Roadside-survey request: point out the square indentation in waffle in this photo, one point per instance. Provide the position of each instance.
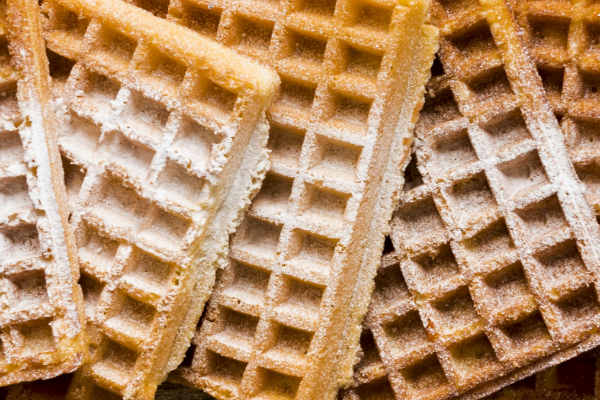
(130, 315)
(296, 93)
(120, 206)
(74, 176)
(406, 335)
(549, 31)
(390, 288)
(112, 47)
(419, 220)
(589, 174)
(505, 131)
(8, 100)
(33, 338)
(379, 389)
(365, 64)
(198, 17)
(60, 70)
(473, 357)
(453, 151)
(587, 134)
(542, 218)
(523, 174)
(285, 144)
(92, 290)
(14, 196)
(274, 196)
(161, 71)
(434, 267)
(97, 251)
(490, 85)
(195, 142)
(150, 273)
(472, 196)
(165, 229)
(370, 354)
(117, 362)
(277, 385)
(252, 33)
(578, 308)
(145, 117)
(473, 41)
(299, 299)
(562, 268)
(527, 335)
(178, 185)
(289, 344)
(321, 7)
(128, 158)
(304, 47)
(371, 15)
(206, 93)
(80, 136)
(258, 237)
(100, 91)
(351, 110)
(424, 376)
(224, 370)
(19, 243)
(438, 109)
(493, 242)
(591, 85)
(335, 159)
(453, 313)
(326, 206)
(412, 176)
(67, 26)
(504, 295)
(11, 147)
(27, 289)
(553, 80)
(248, 283)
(311, 253)
(156, 7)
(5, 56)
(235, 329)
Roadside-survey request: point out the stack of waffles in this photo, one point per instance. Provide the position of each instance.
(41, 308)
(283, 321)
(490, 273)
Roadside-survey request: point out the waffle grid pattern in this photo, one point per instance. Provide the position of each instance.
(276, 317)
(151, 140)
(40, 330)
(494, 265)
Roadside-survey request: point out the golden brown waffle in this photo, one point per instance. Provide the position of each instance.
(493, 276)
(281, 323)
(41, 317)
(163, 139)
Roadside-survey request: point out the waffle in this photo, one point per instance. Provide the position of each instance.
(281, 323)
(163, 138)
(492, 272)
(41, 315)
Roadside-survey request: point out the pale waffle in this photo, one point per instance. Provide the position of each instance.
(493, 276)
(280, 323)
(163, 138)
(41, 317)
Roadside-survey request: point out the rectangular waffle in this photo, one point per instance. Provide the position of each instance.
(494, 272)
(41, 317)
(163, 138)
(280, 323)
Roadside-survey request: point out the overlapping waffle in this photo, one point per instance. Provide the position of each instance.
(163, 138)
(41, 308)
(280, 323)
(494, 272)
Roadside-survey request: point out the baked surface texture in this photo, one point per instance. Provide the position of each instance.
(163, 136)
(492, 270)
(41, 308)
(284, 320)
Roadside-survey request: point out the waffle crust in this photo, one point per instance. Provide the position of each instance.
(163, 138)
(41, 317)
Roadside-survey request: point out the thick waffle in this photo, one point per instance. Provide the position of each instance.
(41, 317)
(281, 323)
(493, 276)
(164, 139)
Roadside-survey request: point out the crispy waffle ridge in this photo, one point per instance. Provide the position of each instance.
(41, 317)
(163, 138)
(281, 323)
(493, 275)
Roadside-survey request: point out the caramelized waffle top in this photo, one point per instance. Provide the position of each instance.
(41, 315)
(281, 323)
(494, 272)
(157, 126)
